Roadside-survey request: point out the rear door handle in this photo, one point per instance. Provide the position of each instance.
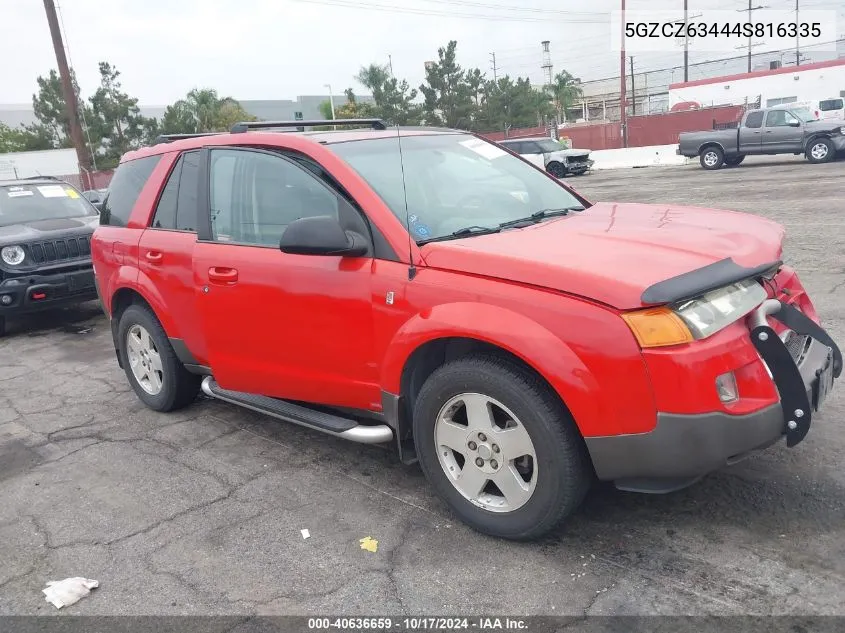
(223, 275)
(154, 257)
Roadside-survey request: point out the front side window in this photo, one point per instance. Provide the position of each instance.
(452, 181)
(43, 201)
(177, 205)
(255, 195)
(780, 118)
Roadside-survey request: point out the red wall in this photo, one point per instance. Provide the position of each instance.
(653, 129)
(516, 133)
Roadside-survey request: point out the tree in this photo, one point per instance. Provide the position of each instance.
(202, 110)
(352, 109)
(24, 139)
(115, 122)
(508, 103)
(50, 109)
(565, 91)
(448, 95)
(394, 99)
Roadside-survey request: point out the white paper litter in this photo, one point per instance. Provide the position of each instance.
(305, 533)
(63, 593)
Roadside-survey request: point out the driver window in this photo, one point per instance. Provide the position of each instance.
(255, 195)
(779, 118)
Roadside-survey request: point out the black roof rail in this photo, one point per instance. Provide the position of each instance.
(245, 126)
(41, 178)
(169, 138)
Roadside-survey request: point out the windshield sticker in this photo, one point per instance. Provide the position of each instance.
(422, 230)
(71, 193)
(20, 193)
(485, 149)
(52, 191)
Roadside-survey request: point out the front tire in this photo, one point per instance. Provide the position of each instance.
(712, 158)
(556, 169)
(820, 150)
(499, 447)
(158, 377)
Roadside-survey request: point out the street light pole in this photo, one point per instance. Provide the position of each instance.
(331, 102)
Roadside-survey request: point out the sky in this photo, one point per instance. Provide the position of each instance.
(278, 49)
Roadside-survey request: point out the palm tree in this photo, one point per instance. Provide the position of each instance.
(565, 91)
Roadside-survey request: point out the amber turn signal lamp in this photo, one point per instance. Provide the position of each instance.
(658, 327)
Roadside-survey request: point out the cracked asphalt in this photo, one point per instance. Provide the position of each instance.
(200, 511)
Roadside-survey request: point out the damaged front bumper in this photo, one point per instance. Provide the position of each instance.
(803, 363)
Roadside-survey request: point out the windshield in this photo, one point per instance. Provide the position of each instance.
(803, 114)
(452, 181)
(549, 145)
(29, 203)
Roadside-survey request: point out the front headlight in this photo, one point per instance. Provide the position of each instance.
(715, 310)
(12, 255)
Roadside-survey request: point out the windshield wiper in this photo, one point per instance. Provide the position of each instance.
(463, 232)
(542, 214)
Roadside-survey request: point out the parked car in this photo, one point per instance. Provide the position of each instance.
(96, 197)
(547, 153)
(518, 340)
(45, 246)
(777, 130)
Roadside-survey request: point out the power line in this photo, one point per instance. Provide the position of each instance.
(349, 4)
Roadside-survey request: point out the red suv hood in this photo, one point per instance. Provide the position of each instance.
(612, 252)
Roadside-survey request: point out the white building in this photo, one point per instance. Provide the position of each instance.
(821, 80)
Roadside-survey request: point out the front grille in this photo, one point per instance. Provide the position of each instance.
(796, 344)
(60, 250)
(577, 159)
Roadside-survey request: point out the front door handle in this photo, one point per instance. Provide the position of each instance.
(154, 257)
(223, 275)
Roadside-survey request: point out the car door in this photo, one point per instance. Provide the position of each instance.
(783, 132)
(165, 257)
(751, 133)
(532, 152)
(297, 327)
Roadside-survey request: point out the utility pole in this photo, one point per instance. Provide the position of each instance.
(390, 62)
(69, 93)
(686, 41)
(750, 45)
(797, 50)
(633, 87)
(495, 76)
(623, 115)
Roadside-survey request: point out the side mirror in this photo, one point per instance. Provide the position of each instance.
(321, 235)
(793, 123)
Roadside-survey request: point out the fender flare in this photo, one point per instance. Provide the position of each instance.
(145, 287)
(707, 144)
(513, 332)
(814, 137)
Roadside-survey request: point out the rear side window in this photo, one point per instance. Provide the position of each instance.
(177, 205)
(830, 104)
(755, 119)
(124, 189)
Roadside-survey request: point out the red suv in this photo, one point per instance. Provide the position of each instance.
(428, 288)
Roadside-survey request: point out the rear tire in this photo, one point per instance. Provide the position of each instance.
(483, 420)
(712, 158)
(158, 377)
(2, 326)
(733, 161)
(820, 150)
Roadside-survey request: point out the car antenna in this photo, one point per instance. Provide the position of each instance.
(412, 270)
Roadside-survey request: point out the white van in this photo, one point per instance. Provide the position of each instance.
(831, 108)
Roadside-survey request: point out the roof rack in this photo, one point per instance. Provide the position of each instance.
(169, 138)
(41, 178)
(244, 126)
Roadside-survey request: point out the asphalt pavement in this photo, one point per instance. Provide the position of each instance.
(200, 511)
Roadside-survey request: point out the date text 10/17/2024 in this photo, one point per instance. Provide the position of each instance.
(481, 624)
